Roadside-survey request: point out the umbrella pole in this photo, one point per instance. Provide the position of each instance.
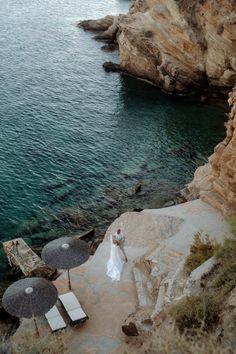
(36, 327)
(69, 282)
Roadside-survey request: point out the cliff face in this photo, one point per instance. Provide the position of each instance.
(215, 182)
(180, 45)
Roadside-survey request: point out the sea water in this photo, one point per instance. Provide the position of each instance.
(75, 140)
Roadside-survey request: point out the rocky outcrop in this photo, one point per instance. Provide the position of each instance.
(106, 27)
(99, 25)
(215, 182)
(182, 46)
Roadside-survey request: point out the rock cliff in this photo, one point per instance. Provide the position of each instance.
(182, 46)
(215, 182)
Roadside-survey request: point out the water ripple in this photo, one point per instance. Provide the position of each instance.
(65, 122)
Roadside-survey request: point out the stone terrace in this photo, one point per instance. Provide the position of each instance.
(109, 303)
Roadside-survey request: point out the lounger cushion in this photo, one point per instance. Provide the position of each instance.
(55, 319)
(70, 301)
(53, 312)
(77, 314)
(56, 323)
(72, 307)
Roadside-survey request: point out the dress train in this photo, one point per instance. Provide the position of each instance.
(115, 262)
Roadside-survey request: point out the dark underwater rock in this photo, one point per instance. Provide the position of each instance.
(109, 47)
(87, 235)
(109, 66)
(137, 188)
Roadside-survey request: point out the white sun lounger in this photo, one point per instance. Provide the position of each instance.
(55, 319)
(73, 308)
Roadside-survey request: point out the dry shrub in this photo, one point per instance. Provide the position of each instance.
(170, 341)
(203, 310)
(232, 222)
(202, 249)
(5, 347)
(229, 327)
(53, 343)
(196, 311)
(224, 278)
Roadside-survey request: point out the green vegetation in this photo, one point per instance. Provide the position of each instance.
(203, 310)
(202, 249)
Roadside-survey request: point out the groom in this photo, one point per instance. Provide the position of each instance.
(119, 240)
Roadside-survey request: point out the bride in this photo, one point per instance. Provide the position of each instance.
(115, 262)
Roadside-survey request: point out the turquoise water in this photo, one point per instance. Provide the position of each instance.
(73, 136)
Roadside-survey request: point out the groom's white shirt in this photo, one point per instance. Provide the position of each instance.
(119, 237)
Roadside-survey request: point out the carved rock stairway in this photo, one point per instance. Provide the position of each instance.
(159, 279)
(162, 269)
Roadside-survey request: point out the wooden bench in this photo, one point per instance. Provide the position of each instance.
(73, 308)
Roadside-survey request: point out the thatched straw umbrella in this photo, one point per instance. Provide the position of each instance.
(30, 298)
(66, 253)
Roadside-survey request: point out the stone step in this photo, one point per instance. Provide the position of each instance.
(141, 283)
(171, 287)
(177, 283)
(160, 301)
(140, 278)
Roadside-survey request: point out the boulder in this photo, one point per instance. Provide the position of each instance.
(137, 188)
(169, 204)
(110, 47)
(109, 66)
(138, 210)
(99, 25)
(130, 329)
(87, 235)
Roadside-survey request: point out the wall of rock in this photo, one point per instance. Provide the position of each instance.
(182, 46)
(215, 182)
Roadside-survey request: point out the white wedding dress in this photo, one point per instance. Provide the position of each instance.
(115, 262)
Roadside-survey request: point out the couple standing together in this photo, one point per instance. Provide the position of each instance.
(115, 262)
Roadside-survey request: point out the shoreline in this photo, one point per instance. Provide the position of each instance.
(118, 202)
(190, 65)
(11, 324)
(172, 227)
